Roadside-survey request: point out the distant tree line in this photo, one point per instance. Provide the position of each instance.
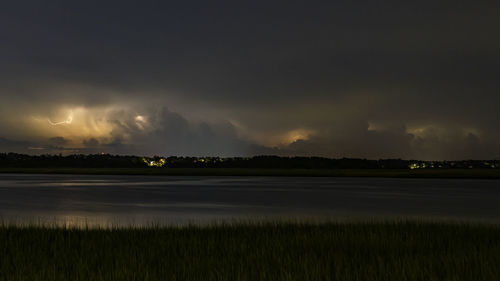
(15, 160)
(71, 161)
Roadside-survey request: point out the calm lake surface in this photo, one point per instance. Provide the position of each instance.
(142, 200)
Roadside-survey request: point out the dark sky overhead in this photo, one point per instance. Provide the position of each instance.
(371, 79)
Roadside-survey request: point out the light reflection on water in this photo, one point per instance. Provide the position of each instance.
(85, 200)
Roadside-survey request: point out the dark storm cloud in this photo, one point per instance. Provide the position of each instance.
(58, 141)
(7, 145)
(50, 146)
(91, 143)
(395, 144)
(425, 72)
(172, 134)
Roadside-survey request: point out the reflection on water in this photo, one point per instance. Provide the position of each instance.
(81, 200)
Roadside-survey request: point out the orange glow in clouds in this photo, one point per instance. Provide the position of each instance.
(67, 121)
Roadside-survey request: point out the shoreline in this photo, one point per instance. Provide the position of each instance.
(379, 173)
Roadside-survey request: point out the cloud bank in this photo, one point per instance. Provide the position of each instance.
(341, 79)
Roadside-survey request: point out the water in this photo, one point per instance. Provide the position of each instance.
(142, 200)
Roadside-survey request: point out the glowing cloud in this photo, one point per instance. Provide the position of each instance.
(140, 118)
(295, 135)
(67, 121)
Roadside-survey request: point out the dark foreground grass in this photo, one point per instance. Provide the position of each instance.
(389, 173)
(269, 251)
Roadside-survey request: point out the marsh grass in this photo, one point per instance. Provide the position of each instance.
(398, 250)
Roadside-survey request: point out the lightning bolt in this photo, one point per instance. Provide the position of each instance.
(67, 121)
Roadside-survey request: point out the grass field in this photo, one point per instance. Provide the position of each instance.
(405, 250)
(402, 173)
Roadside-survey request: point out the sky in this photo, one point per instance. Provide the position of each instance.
(364, 79)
